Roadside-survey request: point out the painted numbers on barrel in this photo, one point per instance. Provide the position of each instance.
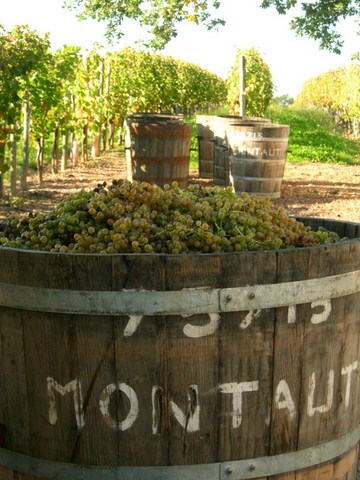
(189, 414)
(321, 313)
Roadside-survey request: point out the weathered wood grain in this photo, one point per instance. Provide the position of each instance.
(206, 144)
(6, 473)
(15, 430)
(163, 390)
(246, 358)
(257, 155)
(192, 352)
(160, 152)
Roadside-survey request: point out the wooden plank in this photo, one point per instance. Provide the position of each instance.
(95, 356)
(343, 347)
(192, 363)
(245, 364)
(6, 473)
(96, 360)
(141, 370)
(192, 366)
(347, 413)
(320, 373)
(284, 476)
(322, 366)
(129, 272)
(322, 472)
(346, 466)
(22, 476)
(193, 344)
(206, 145)
(288, 359)
(220, 166)
(141, 367)
(51, 365)
(245, 373)
(14, 395)
(53, 384)
(192, 399)
(8, 273)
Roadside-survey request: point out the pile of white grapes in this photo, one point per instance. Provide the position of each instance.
(132, 217)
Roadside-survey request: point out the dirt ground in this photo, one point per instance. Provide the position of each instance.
(309, 189)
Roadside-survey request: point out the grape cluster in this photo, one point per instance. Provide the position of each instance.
(133, 217)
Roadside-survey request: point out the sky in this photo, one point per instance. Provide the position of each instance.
(292, 60)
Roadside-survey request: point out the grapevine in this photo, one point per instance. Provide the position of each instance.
(134, 217)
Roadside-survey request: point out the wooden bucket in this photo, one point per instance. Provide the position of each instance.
(207, 367)
(206, 144)
(144, 118)
(159, 153)
(256, 158)
(221, 158)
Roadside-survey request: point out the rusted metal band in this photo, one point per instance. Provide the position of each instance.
(189, 301)
(235, 470)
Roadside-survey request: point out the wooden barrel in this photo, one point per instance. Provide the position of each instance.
(159, 153)
(221, 157)
(256, 157)
(204, 366)
(206, 144)
(144, 118)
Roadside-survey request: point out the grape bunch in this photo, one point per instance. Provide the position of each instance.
(134, 217)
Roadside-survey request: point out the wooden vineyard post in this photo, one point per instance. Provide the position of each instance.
(75, 153)
(26, 133)
(13, 156)
(242, 84)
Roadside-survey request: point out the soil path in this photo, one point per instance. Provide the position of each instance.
(309, 189)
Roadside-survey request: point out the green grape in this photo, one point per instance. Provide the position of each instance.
(143, 218)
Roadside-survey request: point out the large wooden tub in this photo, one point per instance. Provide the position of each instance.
(206, 367)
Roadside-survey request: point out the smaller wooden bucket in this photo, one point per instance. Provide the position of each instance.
(159, 153)
(144, 118)
(221, 158)
(256, 157)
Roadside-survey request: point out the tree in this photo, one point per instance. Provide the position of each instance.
(284, 100)
(49, 90)
(319, 19)
(22, 53)
(160, 17)
(259, 85)
(338, 93)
